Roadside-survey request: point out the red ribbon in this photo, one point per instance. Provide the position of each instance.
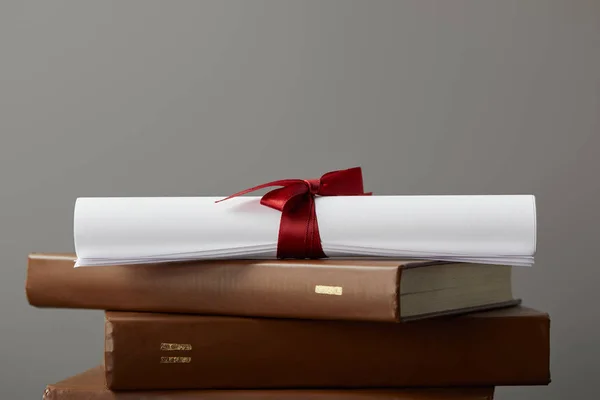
(298, 228)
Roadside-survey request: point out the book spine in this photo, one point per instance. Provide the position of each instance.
(261, 289)
(194, 352)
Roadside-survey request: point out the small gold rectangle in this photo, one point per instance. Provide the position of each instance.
(175, 360)
(331, 290)
(175, 346)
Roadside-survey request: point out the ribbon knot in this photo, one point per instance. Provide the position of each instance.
(298, 228)
(313, 185)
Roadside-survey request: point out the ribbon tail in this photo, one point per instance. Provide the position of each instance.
(282, 182)
(298, 230)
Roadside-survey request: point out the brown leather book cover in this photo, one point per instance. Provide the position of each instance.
(303, 289)
(168, 351)
(90, 385)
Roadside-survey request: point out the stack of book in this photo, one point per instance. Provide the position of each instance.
(200, 304)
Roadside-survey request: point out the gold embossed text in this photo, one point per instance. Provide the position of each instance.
(175, 360)
(175, 346)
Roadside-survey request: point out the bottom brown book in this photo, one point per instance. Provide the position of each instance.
(90, 385)
(150, 351)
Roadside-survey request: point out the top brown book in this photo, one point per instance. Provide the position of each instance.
(360, 290)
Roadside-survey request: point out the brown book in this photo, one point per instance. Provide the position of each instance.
(90, 385)
(360, 290)
(174, 351)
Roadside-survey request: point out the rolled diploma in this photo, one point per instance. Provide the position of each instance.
(486, 228)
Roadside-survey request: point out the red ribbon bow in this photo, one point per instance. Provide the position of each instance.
(298, 228)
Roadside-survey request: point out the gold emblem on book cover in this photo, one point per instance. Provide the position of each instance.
(331, 290)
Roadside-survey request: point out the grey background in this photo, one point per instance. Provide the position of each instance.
(149, 98)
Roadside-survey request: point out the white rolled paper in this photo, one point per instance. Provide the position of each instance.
(492, 229)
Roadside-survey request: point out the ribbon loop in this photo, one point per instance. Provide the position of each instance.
(298, 228)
